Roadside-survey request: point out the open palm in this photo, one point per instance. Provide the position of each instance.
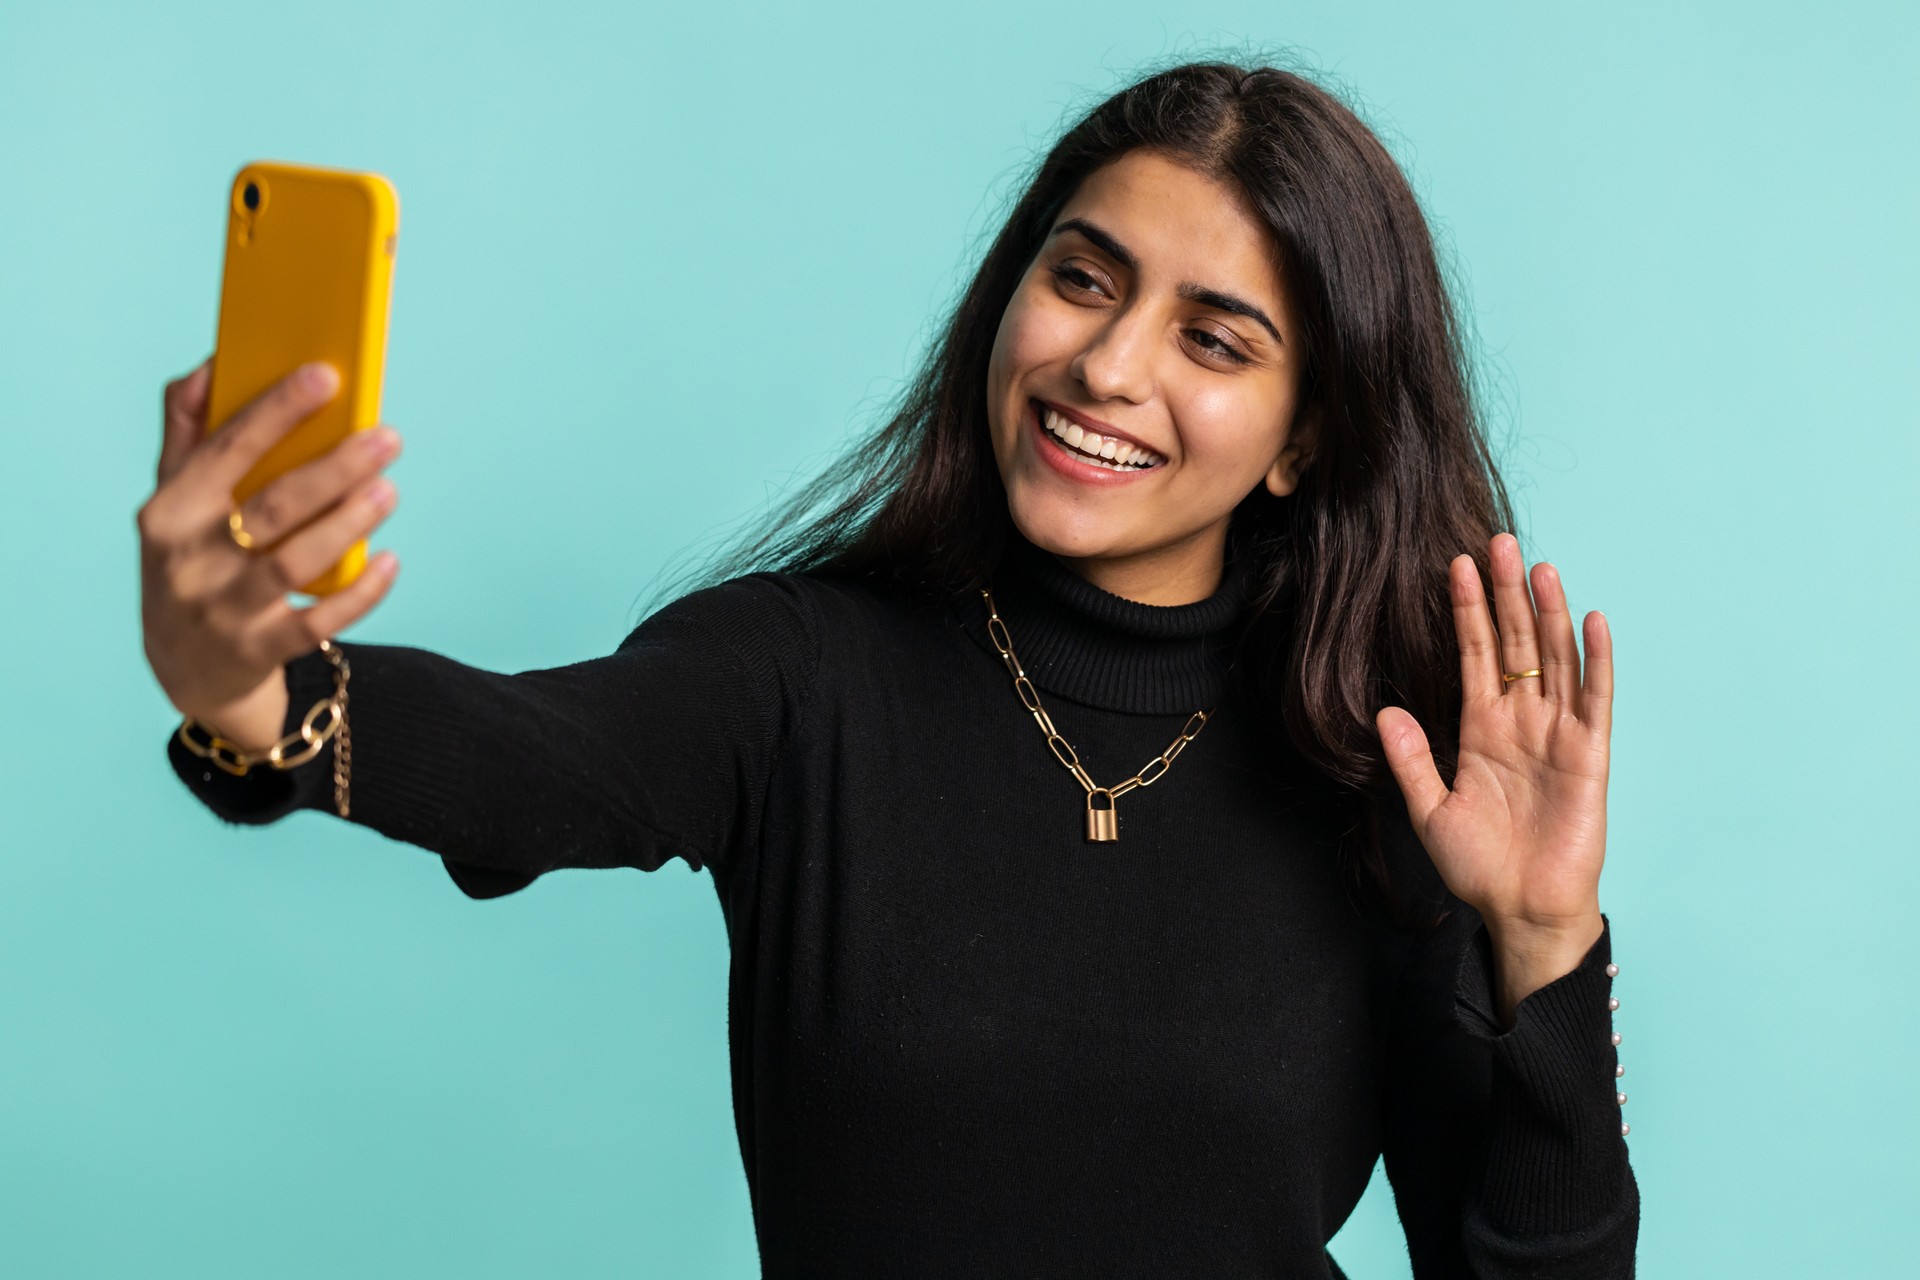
(1521, 834)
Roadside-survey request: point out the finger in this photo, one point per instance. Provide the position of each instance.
(311, 550)
(1410, 757)
(222, 459)
(183, 417)
(1519, 642)
(1597, 694)
(1559, 655)
(1473, 628)
(285, 632)
(290, 501)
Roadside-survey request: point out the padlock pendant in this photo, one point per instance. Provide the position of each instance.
(1102, 824)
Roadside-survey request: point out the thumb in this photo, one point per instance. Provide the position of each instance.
(1410, 757)
(184, 414)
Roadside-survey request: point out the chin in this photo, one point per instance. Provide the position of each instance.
(1076, 535)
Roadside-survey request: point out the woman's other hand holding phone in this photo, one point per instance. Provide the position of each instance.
(217, 625)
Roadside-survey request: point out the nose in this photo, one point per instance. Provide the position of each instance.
(1118, 361)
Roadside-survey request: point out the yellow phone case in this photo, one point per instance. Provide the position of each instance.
(308, 276)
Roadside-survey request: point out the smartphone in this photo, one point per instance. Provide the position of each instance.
(308, 276)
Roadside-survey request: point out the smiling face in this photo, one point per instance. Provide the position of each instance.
(1144, 378)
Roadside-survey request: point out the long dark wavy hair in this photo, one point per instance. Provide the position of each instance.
(1352, 610)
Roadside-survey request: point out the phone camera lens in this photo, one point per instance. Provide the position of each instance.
(250, 196)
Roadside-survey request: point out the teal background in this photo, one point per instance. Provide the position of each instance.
(657, 262)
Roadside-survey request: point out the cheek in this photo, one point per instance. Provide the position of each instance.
(1035, 332)
(1233, 431)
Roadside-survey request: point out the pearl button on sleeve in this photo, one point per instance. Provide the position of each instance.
(1620, 1068)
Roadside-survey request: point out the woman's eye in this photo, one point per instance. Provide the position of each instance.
(1219, 347)
(1073, 276)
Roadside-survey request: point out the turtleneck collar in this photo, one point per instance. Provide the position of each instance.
(1085, 643)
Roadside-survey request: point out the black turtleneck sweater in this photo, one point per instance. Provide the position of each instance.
(965, 1041)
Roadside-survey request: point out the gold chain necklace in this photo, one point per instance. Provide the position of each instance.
(1102, 824)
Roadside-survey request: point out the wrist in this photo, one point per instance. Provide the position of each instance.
(1526, 935)
(1529, 955)
(255, 721)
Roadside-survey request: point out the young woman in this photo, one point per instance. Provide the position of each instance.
(1129, 819)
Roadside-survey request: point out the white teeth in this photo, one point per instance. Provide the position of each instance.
(1098, 450)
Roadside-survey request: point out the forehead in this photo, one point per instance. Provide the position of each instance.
(1181, 225)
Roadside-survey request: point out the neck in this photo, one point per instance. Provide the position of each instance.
(1178, 573)
(1106, 650)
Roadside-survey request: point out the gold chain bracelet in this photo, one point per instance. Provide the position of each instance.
(238, 761)
(1102, 824)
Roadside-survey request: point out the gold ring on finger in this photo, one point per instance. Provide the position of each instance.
(1511, 676)
(240, 536)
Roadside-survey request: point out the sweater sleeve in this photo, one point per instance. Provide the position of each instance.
(660, 749)
(1504, 1148)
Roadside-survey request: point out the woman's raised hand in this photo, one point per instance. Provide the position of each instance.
(216, 622)
(1522, 832)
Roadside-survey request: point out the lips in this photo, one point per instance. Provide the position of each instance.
(1099, 447)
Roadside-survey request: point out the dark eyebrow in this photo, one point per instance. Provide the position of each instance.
(1187, 289)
